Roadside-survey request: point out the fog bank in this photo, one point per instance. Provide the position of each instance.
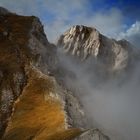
(111, 104)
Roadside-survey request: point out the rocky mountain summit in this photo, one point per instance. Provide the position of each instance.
(35, 104)
(87, 42)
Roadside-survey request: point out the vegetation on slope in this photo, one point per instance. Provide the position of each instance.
(37, 118)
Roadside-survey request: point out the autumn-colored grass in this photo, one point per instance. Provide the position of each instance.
(34, 117)
(37, 119)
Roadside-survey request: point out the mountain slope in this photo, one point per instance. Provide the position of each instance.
(39, 113)
(32, 104)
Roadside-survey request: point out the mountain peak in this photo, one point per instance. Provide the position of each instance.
(86, 42)
(81, 41)
(80, 29)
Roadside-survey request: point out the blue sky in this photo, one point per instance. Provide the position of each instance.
(114, 18)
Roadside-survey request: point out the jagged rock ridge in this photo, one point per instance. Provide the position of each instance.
(86, 42)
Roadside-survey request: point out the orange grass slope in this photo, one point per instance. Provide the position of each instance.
(34, 117)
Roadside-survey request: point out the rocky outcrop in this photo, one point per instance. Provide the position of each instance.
(86, 42)
(93, 134)
(80, 41)
(22, 42)
(76, 116)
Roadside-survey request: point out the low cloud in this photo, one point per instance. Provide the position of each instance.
(132, 34)
(111, 105)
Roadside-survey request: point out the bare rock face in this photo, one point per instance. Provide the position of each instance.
(80, 41)
(76, 116)
(93, 134)
(86, 42)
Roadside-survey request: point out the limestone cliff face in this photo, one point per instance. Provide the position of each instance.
(86, 42)
(81, 41)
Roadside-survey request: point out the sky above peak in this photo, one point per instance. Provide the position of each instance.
(114, 18)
